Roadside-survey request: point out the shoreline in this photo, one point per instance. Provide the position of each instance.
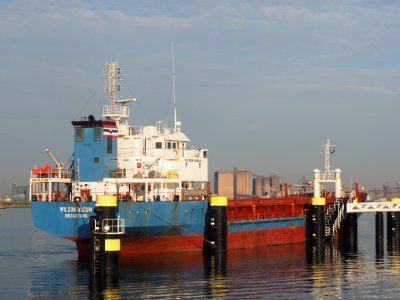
(14, 204)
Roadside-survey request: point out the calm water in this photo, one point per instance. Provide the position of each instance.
(37, 266)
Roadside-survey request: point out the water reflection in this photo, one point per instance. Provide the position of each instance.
(283, 271)
(215, 274)
(288, 272)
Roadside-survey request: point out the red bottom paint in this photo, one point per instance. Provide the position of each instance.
(131, 246)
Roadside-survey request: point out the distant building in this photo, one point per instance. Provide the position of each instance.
(243, 184)
(223, 182)
(258, 187)
(275, 185)
(19, 192)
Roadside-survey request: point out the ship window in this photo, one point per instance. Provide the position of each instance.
(158, 145)
(79, 134)
(109, 145)
(169, 145)
(97, 133)
(173, 145)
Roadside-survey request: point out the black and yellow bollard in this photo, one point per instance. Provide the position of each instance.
(216, 225)
(379, 233)
(318, 220)
(393, 227)
(215, 245)
(105, 245)
(309, 235)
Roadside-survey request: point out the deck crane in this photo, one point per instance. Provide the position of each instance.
(59, 165)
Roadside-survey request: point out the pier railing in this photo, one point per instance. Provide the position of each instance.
(341, 216)
(373, 207)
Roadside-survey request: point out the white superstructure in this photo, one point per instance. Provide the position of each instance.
(154, 162)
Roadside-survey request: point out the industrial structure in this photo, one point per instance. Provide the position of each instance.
(238, 184)
(19, 192)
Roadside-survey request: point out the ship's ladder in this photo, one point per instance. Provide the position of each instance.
(335, 214)
(330, 218)
(97, 256)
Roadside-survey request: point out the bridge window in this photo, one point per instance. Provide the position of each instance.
(97, 133)
(158, 145)
(79, 134)
(109, 145)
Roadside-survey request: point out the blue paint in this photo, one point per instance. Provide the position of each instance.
(95, 155)
(71, 219)
(240, 226)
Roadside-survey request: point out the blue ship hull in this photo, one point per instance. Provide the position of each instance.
(163, 226)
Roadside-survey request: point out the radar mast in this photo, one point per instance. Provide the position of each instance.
(117, 110)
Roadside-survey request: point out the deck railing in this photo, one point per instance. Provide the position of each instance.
(116, 110)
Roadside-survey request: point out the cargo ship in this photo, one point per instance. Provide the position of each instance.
(161, 184)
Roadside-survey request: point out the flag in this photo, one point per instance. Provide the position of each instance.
(110, 131)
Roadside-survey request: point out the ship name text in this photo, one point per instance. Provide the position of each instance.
(75, 212)
(195, 160)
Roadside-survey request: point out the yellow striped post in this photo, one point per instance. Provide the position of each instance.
(106, 201)
(218, 201)
(105, 241)
(216, 225)
(112, 245)
(317, 201)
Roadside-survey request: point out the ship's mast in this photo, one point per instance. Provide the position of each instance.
(113, 87)
(118, 110)
(173, 85)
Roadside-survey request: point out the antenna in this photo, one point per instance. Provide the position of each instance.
(328, 149)
(117, 110)
(173, 84)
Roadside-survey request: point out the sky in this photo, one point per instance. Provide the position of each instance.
(261, 84)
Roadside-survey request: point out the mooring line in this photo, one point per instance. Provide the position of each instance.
(173, 223)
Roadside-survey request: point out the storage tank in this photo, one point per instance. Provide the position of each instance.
(243, 184)
(224, 184)
(258, 186)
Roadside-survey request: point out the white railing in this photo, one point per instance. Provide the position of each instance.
(341, 216)
(60, 174)
(373, 207)
(342, 211)
(116, 110)
(193, 153)
(113, 226)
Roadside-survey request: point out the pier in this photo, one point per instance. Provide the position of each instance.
(340, 223)
(392, 209)
(327, 223)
